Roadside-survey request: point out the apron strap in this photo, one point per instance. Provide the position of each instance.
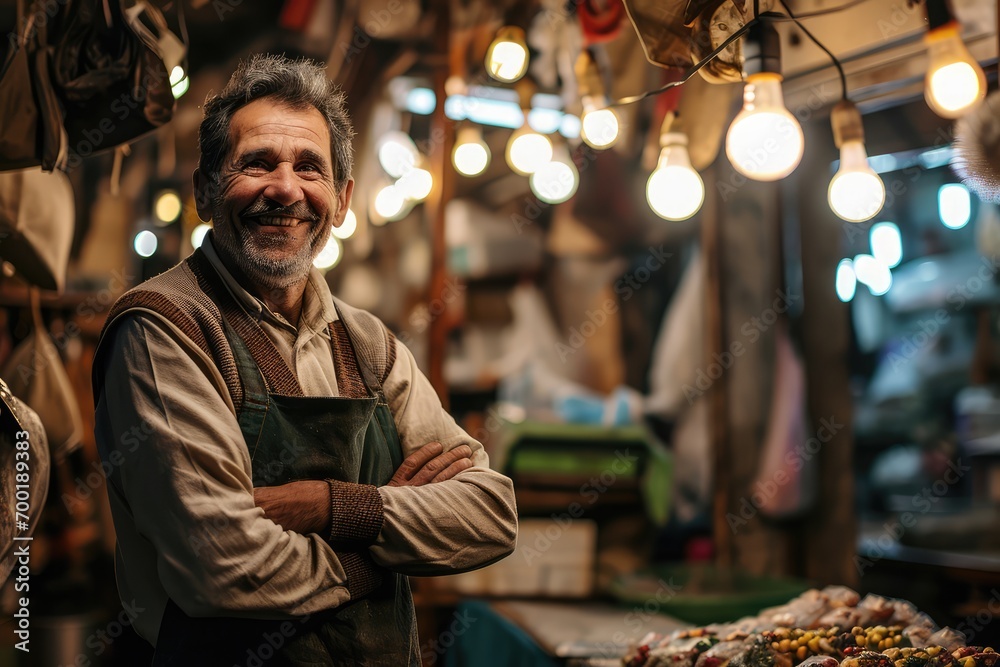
(280, 378)
(368, 376)
(255, 399)
(350, 382)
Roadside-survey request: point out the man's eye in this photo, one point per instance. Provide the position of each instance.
(255, 164)
(308, 167)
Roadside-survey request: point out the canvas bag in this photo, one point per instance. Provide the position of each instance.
(35, 372)
(16, 419)
(37, 214)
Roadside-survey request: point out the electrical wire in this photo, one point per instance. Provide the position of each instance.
(836, 61)
(826, 12)
(632, 99)
(742, 31)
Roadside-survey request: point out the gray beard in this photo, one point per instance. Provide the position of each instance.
(244, 250)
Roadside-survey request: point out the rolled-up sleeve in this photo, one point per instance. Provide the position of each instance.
(180, 469)
(466, 522)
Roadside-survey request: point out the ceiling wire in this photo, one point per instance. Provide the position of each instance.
(825, 12)
(631, 99)
(836, 61)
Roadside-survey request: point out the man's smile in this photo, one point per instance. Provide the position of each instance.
(278, 221)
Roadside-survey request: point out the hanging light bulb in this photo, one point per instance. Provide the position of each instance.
(330, 255)
(856, 192)
(145, 243)
(873, 273)
(886, 243)
(390, 203)
(674, 190)
(179, 82)
(955, 82)
(528, 150)
(416, 184)
(507, 58)
(764, 142)
(167, 207)
(471, 155)
(397, 153)
(347, 227)
(198, 235)
(599, 126)
(846, 280)
(556, 181)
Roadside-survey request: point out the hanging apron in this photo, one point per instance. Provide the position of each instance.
(294, 438)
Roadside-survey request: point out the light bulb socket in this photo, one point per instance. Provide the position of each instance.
(667, 123)
(846, 122)
(468, 134)
(588, 76)
(763, 46)
(510, 33)
(455, 85)
(939, 14)
(526, 90)
(592, 103)
(673, 139)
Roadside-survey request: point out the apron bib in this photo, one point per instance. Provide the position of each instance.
(292, 438)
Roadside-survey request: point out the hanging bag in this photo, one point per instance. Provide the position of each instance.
(31, 133)
(111, 68)
(36, 374)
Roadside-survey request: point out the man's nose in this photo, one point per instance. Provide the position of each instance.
(283, 185)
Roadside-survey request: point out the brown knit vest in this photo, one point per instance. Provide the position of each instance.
(193, 298)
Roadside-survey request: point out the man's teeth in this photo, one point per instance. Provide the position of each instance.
(277, 221)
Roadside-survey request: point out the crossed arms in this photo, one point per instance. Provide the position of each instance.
(222, 548)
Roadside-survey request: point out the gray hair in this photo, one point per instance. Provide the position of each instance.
(299, 84)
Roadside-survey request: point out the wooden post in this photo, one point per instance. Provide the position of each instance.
(829, 535)
(742, 241)
(714, 326)
(442, 142)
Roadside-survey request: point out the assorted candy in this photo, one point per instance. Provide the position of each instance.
(832, 627)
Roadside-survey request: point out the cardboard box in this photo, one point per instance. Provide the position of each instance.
(552, 559)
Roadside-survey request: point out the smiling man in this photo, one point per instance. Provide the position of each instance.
(297, 464)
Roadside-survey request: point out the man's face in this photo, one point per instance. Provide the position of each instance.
(277, 200)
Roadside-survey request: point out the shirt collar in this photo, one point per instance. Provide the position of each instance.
(317, 302)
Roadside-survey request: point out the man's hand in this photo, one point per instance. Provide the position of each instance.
(302, 507)
(428, 465)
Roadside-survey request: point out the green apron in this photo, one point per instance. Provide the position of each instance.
(294, 438)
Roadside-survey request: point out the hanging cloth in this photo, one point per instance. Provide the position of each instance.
(787, 476)
(600, 20)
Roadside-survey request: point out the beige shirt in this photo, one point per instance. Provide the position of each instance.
(180, 479)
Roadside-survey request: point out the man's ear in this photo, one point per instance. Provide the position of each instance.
(344, 202)
(203, 195)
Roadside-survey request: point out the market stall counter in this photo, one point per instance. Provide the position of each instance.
(832, 627)
(549, 634)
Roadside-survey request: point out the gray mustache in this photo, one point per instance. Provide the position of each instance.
(266, 207)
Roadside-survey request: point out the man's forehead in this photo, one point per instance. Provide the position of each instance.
(264, 123)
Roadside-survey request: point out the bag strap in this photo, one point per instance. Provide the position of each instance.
(169, 48)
